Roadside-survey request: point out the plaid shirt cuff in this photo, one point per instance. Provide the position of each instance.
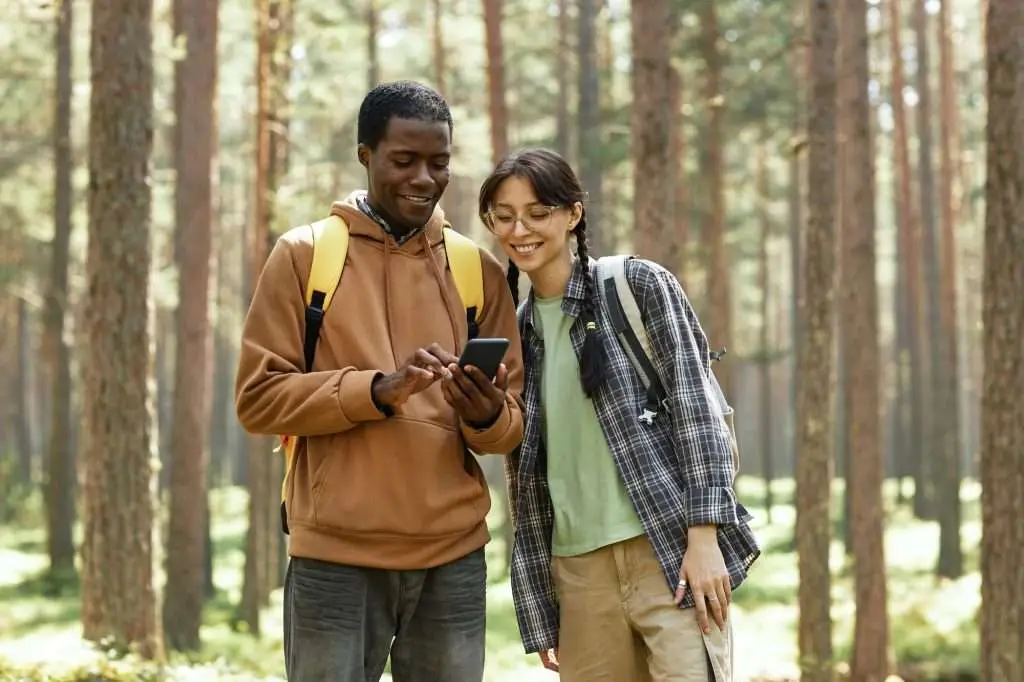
(706, 506)
(535, 642)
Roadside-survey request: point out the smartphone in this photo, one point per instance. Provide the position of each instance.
(484, 354)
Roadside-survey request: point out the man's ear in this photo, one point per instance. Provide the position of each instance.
(363, 154)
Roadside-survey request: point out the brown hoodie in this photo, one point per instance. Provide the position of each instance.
(398, 492)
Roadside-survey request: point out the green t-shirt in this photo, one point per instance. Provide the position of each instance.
(591, 507)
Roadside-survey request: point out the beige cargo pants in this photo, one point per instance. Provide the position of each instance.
(619, 623)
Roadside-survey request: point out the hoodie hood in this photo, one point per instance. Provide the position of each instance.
(360, 224)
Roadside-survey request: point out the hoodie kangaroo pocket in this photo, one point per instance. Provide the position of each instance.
(399, 477)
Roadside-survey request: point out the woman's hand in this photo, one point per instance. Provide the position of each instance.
(549, 658)
(704, 572)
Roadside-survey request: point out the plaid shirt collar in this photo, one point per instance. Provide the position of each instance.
(376, 217)
(572, 298)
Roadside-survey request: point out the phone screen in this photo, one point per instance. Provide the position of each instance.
(484, 354)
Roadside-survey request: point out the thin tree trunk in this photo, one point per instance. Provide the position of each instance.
(931, 460)
(257, 561)
(679, 186)
(871, 660)
(195, 138)
(765, 365)
(60, 466)
(562, 75)
(650, 130)
(908, 236)
(498, 109)
(815, 378)
(950, 562)
(589, 146)
(719, 287)
(372, 58)
(437, 36)
(23, 413)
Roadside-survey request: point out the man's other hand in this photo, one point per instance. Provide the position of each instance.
(476, 399)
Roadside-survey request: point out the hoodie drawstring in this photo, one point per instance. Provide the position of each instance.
(439, 276)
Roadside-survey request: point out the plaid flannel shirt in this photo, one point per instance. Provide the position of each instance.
(677, 471)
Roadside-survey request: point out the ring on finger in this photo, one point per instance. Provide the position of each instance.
(712, 597)
(682, 583)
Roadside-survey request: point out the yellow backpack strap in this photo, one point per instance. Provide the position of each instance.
(468, 273)
(330, 249)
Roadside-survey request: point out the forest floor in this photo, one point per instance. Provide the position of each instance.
(933, 622)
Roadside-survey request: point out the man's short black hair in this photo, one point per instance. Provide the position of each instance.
(399, 99)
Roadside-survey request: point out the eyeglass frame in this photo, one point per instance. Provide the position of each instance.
(519, 219)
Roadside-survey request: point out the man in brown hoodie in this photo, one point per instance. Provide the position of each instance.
(386, 506)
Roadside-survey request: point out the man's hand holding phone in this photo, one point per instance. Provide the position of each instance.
(477, 394)
(466, 387)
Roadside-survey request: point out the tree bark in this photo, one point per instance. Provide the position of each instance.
(60, 466)
(1002, 427)
(815, 378)
(599, 236)
(650, 129)
(257, 561)
(498, 109)
(719, 286)
(372, 58)
(119, 598)
(195, 139)
(932, 459)
(562, 76)
(871, 661)
(765, 364)
(438, 51)
(677, 241)
(909, 435)
(951, 561)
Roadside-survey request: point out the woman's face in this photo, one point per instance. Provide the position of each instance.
(532, 234)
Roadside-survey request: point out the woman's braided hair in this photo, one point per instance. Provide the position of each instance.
(555, 184)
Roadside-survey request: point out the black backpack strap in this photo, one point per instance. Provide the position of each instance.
(314, 320)
(471, 323)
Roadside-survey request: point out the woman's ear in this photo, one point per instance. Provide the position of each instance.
(575, 215)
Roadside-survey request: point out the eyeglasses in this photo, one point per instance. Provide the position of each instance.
(502, 222)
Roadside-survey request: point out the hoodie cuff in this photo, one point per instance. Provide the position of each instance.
(486, 440)
(355, 397)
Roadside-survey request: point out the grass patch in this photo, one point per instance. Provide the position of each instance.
(933, 623)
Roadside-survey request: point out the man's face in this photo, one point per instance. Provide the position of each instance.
(409, 170)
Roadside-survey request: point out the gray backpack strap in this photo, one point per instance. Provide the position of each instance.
(628, 323)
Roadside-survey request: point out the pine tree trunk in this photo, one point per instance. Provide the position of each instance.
(372, 58)
(763, 283)
(950, 562)
(871, 660)
(118, 594)
(601, 237)
(815, 378)
(497, 107)
(718, 290)
(1002, 427)
(60, 465)
(649, 130)
(195, 138)
(562, 75)
(932, 459)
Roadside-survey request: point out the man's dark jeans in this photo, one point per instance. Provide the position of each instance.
(339, 622)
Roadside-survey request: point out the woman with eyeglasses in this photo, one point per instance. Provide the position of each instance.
(628, 537)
